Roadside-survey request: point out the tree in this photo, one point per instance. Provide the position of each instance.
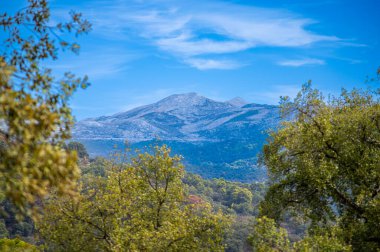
(324, 241)
(3, 230)
(11, 225)
(96, 167)
(139, 206)
(16, 245)
(35, 117)
(268, 237)
(324, 164)
(78, 148)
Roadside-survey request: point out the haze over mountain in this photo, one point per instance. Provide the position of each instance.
(217, 139)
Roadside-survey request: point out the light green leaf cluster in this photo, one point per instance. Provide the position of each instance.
(16, 245)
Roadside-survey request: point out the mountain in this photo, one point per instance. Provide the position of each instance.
(217, 139)
(237, 101)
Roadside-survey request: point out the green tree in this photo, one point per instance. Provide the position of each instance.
(79, 148)
(16, 245)
(268, 237)
(35, 117)
(324, 164)
(96, 167)
(139, 206)
(242, 195)
(10, 226)
(3, 230)
(237, 236)
(327, 241)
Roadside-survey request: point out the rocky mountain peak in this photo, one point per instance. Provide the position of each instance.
(237, 101)
(183, 100)
(185, 117)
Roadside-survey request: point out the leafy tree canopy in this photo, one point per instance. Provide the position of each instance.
(268, 237)
(140, 205)
(78, 148)
(16, 245)
(35, 117)
(324, 163)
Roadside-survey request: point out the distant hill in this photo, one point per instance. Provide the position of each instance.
(217, 139)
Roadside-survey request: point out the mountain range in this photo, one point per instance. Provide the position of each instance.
(216, 138)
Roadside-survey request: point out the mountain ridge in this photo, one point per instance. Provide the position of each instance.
(188, 114)
(216, 138)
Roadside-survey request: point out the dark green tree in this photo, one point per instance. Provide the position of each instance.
(79, 148)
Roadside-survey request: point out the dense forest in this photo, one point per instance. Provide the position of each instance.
(322, 192)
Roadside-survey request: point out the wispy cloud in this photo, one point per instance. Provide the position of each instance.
(301, 62)
(206, 64)
(187, 29)
(100, 65)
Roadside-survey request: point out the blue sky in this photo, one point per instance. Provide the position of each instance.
(141, 51)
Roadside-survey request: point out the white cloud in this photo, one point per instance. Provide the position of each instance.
(301, 62)
(187, 28)
(184, 45)
(206, 64)
(238, 28)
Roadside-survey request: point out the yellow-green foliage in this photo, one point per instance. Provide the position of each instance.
(16, 245)
(34, 115)
(321, 243)
(324, 163)
(268, 237)
(140, 206)
(30, 162)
